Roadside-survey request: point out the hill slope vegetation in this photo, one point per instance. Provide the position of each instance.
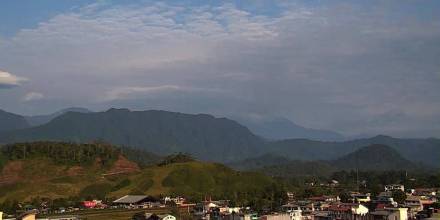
(368, 158)
(96, 170)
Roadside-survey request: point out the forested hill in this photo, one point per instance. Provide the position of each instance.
(161, 132)
(71, 154)
(369, 158)
(425, 151)
(54, 170)
(10, 121)
(375, 157)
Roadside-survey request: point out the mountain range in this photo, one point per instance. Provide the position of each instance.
(10, 121)
(424, 151)
(203, 136)
(43, 119)
(374, 157)
(161, 132)
(282, 128)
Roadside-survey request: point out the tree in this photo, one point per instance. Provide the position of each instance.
(345, 196)
(399, 196)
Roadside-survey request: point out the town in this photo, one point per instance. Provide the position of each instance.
(394, 203)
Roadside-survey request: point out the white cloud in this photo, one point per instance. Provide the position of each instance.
(8, 80)
(32, 96)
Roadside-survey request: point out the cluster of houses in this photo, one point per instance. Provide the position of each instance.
(419, 204)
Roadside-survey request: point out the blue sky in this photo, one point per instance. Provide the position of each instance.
(350, 66)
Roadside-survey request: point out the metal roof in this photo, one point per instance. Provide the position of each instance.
(130, 199)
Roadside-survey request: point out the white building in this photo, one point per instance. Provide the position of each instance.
(392, 213)
(394, 187)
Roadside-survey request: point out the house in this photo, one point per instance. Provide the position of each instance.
(394, 187)
(347, 211)
(325, 199)
(321, 215)
(290, 196)
(176, 200)
(304, 206)
(152, 216)
(282, 216)
(67, 217)
(294, 211)
(252, 216)
(389, 214)
(414, 206)
(362, 198)
(134, 201)
(385, 198)
(29, 215)
(425, 192)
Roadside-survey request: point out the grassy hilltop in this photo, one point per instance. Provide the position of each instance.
(60, 170)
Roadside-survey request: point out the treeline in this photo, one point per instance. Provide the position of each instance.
(61, 152)
(68, 153)
(374, 181)
(366, 181)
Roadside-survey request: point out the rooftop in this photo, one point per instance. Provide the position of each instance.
(129, 199)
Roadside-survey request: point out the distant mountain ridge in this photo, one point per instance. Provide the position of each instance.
(282, 128)
(161, 132)
(43, 119)
(204, 136)
(374, 157)
(425, 151)
(10, 121)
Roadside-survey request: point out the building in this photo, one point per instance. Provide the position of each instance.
(135, 201)
(414, 205)
(294, 211)
(67, 217)
(389, 214)
(385, 198)
(152, 216)
(347, 211)
(394, 187)
(362, 198)
(281, 216)
(425, 192)
(325, 199)
(29, 215)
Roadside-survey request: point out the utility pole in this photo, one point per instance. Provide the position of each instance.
(357, 173)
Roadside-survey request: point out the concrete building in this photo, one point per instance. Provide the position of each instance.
(393, 187)
(389, 214)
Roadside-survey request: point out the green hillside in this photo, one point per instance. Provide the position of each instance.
(374, 157)
(425, 151)
(368, 158)
(61, 170)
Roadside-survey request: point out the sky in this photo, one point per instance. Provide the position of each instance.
(355, 67)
